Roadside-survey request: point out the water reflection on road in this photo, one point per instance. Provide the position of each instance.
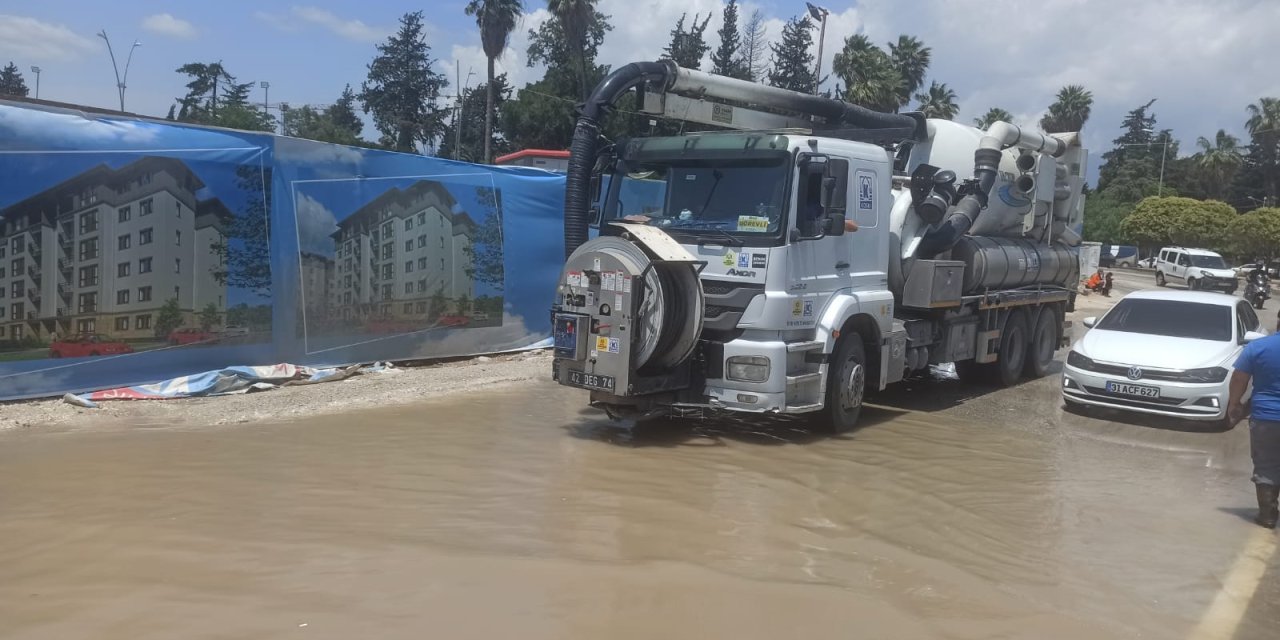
(522, 515)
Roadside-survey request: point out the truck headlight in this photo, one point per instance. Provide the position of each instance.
(747, 368)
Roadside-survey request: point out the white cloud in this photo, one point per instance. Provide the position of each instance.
(351, 29)
(39, 129)
(167, 25)
(315, 224)
(29, 39)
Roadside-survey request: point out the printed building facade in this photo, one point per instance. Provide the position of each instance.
(103, 251)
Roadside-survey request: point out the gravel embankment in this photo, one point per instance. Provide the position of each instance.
(401, 386)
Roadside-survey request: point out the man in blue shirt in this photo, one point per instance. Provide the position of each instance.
(1260, 361)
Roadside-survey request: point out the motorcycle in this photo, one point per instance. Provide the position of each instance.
(1257, 292)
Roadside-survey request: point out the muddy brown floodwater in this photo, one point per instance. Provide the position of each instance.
(521, 515)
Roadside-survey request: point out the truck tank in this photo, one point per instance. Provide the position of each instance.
(1006, 263)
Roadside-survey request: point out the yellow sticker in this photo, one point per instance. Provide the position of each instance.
(797, 308)
(753, 223)
(602, 344)
(730, 259)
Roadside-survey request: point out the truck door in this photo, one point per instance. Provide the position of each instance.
(819, 256)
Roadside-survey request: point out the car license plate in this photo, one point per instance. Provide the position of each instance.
(590, 380)
(1137, 390)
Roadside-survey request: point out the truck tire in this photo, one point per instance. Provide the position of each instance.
(1013, 349)
(846, 386)
(1160, 282)
(1044, 342)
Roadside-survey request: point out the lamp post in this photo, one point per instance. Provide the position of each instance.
(820, 14)
(36, 70)
(457, 123)
(1164, 154)
(121, 82)
(266, 95)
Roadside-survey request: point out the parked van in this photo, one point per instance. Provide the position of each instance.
(1118, 255)
(1196, 268)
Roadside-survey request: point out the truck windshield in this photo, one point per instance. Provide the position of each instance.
(742, 196)
(1208, 262)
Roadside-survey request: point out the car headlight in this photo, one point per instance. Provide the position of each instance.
(1207, 374)
(1075, 359)
(747, 368)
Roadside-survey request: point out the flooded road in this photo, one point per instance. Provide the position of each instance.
(520, 514)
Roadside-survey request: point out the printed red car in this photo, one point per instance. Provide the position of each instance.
(89, 344)
(191, 336)
(454, 321)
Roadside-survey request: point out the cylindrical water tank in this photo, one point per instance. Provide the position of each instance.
(1003, 263)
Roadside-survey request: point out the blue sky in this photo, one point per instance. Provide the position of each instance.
(1204, 60)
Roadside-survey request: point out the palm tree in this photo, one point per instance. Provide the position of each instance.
(911, 58)
(938, 102)
(496, 19)
(1264, 127)
(1069, 111)
(1220, 159)
(575, 17)
(871, 78)
(992, 116)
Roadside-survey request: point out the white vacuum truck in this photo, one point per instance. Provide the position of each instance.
(812, 252)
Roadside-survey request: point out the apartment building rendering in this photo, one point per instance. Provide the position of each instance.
(101, 252)
(393, 256)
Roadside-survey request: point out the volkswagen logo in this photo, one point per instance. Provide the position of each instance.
(1134, 373)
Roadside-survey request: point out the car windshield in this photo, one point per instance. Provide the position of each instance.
(739, 196)
(1208, 262)
(1173, 318)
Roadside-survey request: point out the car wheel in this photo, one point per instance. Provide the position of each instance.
(1013, 349)
(846, 386)
(1160, 282)
(1044, 341)
(1193, 284)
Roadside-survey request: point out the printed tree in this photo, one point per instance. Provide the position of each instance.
(169, 318)
(209, 316)
(485, 251)
(245, 249)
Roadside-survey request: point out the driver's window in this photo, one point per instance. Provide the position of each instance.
(809, 202)
(1183, 260)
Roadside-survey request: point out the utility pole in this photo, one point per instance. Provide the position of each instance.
(36, 70)
(266, 95)
(121, 82)
(820, 14)
(457, 118)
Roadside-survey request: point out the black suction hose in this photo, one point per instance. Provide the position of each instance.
(986, 165)
(582, 150)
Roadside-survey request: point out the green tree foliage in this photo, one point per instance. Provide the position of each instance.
(168, 318)
(869, 75)
(245, 250)
(485, 250)
(1256, 234)
(215, 98)
(438, 305)
(209, 316)
(687, 46)
(473, 147)
(11, 82)
(462, 305)
(403, 88)
(727, 59)
(1103, 218)
(256, 317)
(992, 116)
(337, 123)
(911, 59)
(1264, 152)
(1158, 221)
(938, 102)
(496, 20)
(577, 19)
(793, 62)
(543, 116)
(1069, 111)
(755, 48)
(1219, 161)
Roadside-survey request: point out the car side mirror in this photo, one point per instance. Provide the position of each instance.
(1250, 336)
(1089, 322)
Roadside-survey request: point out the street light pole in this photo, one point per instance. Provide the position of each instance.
(121, 83)
(1164, 155)
(820, 14)
(36, 70)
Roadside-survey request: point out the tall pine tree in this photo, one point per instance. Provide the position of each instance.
(792, 59)
(403, 88)
(727, 59)
(11, 82)
(755, 47)
(688, 46)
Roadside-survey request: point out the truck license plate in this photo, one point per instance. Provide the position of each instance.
(590, 380)
(1137, 390)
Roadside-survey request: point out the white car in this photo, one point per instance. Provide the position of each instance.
(1166, 353)
(1196, 268)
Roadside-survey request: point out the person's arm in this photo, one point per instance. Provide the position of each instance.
(1239, 384)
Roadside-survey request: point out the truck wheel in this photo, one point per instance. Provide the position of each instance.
(1044, 341)
(1160, 279)
(846, 385)
(1013, 349)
